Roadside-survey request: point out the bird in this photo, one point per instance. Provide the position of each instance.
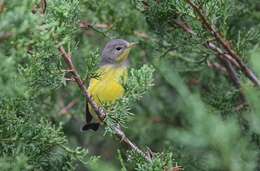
(112, 74)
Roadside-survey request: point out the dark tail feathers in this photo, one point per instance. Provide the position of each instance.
(93, 126)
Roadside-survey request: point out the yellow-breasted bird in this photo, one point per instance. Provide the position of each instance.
(108, 86)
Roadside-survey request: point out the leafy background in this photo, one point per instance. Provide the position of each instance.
(192, 115)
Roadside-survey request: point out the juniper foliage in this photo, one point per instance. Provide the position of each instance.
(175, 104)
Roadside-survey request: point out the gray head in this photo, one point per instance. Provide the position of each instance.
(116, 52)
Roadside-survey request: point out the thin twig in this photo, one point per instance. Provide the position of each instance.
(67, 58)
(217, 67)
(99, 111)
(66, 108)
(227, 64)
(231, 71)
(85, 25)
(184, 26)
(213, 47)
(225, 44)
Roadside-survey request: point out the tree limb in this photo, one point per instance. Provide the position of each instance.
(224, 58)
(217, 67)
(225, 44)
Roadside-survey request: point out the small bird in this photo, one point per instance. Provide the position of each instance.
(112, 74)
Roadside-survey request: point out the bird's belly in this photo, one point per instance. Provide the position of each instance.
(107, 91)
(104, 91)
(107, 88)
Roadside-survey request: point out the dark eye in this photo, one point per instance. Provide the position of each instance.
(118, 48)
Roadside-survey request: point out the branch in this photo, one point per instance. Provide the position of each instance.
(225, 44)
(66, 108)
(209, 45)
(67, 58)
(99, 111)
(224, 58)
(227, 64)
(85, 25)
(231, 71)
(219, 51)
(217, 67)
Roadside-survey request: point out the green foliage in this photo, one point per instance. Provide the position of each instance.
(174, 103)
(207, 131)
(161, 161)
(35, 144)
(29, 141)
(91, 64)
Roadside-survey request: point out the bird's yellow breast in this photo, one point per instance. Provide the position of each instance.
(108, 86)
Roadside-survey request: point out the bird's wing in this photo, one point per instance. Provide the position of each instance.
(87, 114)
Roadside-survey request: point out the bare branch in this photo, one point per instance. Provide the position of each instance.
(184, 26)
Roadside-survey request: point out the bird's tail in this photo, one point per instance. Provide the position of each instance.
(93, 126)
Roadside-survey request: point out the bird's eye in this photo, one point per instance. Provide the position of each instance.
(118, 48)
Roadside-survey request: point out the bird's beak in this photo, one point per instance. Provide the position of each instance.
(131, 45)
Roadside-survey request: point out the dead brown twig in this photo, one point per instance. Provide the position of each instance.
(100, 112)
